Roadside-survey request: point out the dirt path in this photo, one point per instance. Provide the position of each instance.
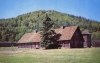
(10, 51)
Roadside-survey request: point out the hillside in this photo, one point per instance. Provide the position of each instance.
(13, 28)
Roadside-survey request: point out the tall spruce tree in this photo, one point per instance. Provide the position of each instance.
(47, 32)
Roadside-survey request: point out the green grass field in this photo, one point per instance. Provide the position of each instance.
(82, 55)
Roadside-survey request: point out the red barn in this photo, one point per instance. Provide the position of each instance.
(68, 37)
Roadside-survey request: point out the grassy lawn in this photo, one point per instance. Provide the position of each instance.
(82, 55)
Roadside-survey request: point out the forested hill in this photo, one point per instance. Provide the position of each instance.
(13, 28)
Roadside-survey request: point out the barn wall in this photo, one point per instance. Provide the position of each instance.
(64, 43)
(87, 40)
(29, 45)
(32, 45)
(77, 40)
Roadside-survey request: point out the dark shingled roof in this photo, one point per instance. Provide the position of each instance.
(85, 32)
(66, 34)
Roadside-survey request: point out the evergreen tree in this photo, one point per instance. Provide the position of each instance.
(47, 32)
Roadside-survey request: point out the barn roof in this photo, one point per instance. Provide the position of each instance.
(85, 32)
(65, 32)
(30, 37)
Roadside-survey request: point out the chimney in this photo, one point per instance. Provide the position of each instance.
(62, 27)
(35, 31)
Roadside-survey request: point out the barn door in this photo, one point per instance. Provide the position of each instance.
(85, 43)
(37, 45)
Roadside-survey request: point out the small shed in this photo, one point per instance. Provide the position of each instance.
(87, 38)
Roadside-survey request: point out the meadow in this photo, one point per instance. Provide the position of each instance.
(25, 55)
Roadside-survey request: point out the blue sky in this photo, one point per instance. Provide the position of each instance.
(89, 9)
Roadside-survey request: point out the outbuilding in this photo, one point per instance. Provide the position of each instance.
(87, 38)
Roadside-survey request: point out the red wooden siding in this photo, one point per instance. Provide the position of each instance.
(65, 44)
(77, 40)
(28, 45)
(87, 40)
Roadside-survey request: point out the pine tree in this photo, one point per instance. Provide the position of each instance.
(47, 32)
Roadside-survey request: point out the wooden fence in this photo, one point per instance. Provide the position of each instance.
(8, 44)
(95, 43)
